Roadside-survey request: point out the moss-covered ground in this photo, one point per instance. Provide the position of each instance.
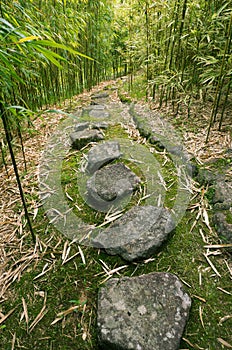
(54, 303)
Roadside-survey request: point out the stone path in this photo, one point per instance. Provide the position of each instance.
(220, 187)
(148, 312)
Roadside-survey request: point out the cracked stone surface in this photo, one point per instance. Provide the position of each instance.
(100, 95)
(222, 201)
(223, 227)
(138, 233)
(148, 312)
(86, 125)
(110, 185)
(223, 195)
(81, 138)
(102, 154)
(95, 111)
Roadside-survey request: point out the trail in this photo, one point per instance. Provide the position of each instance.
(18, 255)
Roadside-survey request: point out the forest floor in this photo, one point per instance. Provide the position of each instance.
(48, 291)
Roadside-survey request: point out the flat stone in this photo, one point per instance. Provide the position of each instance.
(100, 125)
(81, 126)
(95, 111)
(206, 176)
(148, 312)
(110, 185)
(100, 95)
(223, 194)
(224, 229)
(86, 125)
(102, 154)
(80, 139)
(137, 234)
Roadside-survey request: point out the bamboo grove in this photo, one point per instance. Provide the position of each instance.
(51, 50)
(184, 50)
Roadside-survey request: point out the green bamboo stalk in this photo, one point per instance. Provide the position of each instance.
(8, 139)
(225, 103)
(3, 158)
(220, 80)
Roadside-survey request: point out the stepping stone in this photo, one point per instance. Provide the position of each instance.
(95, 111)
(102, 154)
(223, 227)
(100, 125)
(86, 125)
(81, 126)
(100, 95)
(148, 312)
(223, 195)
(137, 234)
(110, 185)
(81, 138)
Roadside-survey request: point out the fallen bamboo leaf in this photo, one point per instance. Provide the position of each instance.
(192, 345)
(105, 266)
(217, 246)
(200, 298)
(68, 196)
(203, 236)
(196, 220)
(25, 313)
(84, 336)
(68, 311)
(224, 291)
(229, 268)
(212, 265)
(71, 257)
(206, 218)
(38, 319)
(225, 343)
(111, 272)
(225, 318)
(44, 271)
(67, 254)
(35, 213)
(201, 316)
(56, 320)
(13, 341)
(40, 315)
(65, 250)
(7, 315)
(162, 182)
(82, 255)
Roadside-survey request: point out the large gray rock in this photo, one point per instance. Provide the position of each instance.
(137, 234)
(110, 185)
(95, 111)
(102, 154)
(86, 125)
(148, 312)
(100, 95)
(81, 138)
(81, 126)
(223, 195)
(223, 227)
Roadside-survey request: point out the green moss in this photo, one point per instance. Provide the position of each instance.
(228, 216)
(76, 284)
(210, 194)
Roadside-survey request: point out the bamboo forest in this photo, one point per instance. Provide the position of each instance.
(115, 174)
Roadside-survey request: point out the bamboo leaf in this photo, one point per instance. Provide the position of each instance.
(28, 38)
(50, 43)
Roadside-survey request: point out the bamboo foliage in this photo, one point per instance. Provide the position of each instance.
(184, 49)
(49, 50)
